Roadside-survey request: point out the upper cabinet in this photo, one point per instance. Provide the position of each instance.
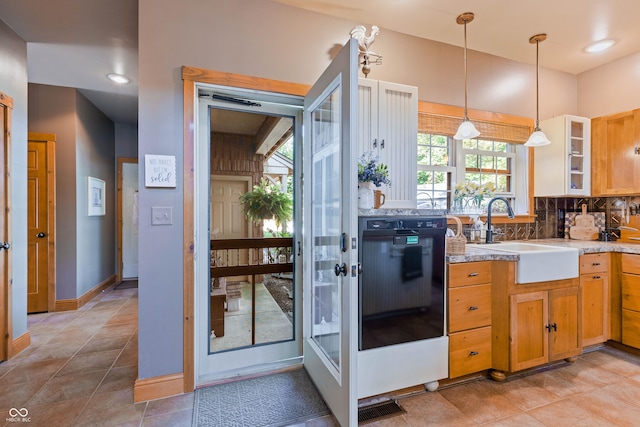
(616, 154)
(388, 129)
(563, 168)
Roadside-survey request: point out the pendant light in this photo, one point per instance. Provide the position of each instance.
(466, 130)
(537, 138)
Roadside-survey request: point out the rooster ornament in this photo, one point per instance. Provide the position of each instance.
(359, 33)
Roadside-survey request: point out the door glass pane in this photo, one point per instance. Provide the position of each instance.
(325, 219)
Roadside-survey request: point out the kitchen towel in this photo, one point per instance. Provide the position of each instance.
(412, 263)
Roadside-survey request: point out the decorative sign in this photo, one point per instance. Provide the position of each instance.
(159, 171)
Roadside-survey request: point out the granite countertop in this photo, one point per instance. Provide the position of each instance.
(479, 252)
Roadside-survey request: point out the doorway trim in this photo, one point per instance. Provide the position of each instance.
(6, 342)
(191, 76)
(121, 161)
(49, 139)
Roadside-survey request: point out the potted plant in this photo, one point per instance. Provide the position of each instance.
(267, 201)
(370, 173)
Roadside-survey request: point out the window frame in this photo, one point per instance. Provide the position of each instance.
(444, 120)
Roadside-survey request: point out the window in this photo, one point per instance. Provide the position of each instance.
(435, 170)
(498, 157)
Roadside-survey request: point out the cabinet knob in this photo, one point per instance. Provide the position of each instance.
(473, 274)
(473, 308)
(473, 353)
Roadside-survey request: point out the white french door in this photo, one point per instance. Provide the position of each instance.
(330, 225)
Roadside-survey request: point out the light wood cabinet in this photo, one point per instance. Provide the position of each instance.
(630, 300)
(616, 154)
(388, 129)
(564, 166)
(534, 323)
(469, 317)
(594, 285)
(544, 327)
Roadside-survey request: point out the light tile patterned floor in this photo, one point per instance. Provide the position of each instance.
(81, 367)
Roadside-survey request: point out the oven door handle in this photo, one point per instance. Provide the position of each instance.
(405, 232)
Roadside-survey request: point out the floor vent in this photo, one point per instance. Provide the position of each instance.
(379, 411)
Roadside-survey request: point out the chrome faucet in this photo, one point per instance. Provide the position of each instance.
(510, 214)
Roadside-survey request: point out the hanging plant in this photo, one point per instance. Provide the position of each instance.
(267, 201)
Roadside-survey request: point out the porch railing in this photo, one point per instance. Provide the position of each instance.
(251, 257)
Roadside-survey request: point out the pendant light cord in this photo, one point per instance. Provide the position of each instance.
(537, 86)
(466, 116)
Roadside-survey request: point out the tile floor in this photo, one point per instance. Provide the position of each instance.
(81, 367)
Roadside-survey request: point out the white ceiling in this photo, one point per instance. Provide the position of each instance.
(76, 43)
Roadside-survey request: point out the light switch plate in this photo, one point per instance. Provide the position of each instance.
(161, 215)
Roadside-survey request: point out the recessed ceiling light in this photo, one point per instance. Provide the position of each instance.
(118, 78)
(599, 46)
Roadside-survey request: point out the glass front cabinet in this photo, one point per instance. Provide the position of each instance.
(563, 168)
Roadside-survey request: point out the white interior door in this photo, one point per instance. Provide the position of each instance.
(330, 219)
(129, 220)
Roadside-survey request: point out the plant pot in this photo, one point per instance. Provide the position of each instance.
(365, 195)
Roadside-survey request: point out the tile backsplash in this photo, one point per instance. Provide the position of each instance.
(552, 212)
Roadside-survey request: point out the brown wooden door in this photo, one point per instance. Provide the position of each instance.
(6, 341)
(529, 337)
(564, 314)
(37, 228)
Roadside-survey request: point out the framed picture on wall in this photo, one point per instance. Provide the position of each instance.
(96, 197)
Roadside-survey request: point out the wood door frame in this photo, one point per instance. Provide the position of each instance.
(121, 161)
(50, 141)
(6, 320)
(190, 77)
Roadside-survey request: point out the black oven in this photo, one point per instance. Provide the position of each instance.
(401, 286)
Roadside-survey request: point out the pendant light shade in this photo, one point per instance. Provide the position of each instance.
(466, 130)
(537, 138)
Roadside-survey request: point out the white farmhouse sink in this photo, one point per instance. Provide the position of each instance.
(541, 263)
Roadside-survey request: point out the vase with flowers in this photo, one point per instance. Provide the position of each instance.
(468, 197)
(371, 173)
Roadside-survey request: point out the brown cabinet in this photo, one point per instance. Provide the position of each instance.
(594, 285)
(631, 300)
(469, 315)
(615, 149)
(544, 327)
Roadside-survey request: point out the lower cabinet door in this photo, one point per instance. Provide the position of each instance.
(631, 328)
(529, 336)
(564, 314)
(469, 351)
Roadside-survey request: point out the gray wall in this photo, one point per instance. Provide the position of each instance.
(126, 140)
(95, 157)
(271, 40)
(52, 109)
(13, 82)
(85, 246)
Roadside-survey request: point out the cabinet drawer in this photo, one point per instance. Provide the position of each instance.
(631, 292)
(631, 328)
(469, 273)
(469, 351)
(593, 263)
(469, 307)
(631, 263)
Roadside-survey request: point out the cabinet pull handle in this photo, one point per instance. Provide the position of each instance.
(595, 264)
(473, 353)
(596, 277)
(375, 143)
(636, 150)
(555, 327)
(382, 144)
(473, 308)
(473, 274)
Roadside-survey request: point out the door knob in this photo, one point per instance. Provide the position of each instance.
(40, 235)
(5, 245)
(340, 269)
